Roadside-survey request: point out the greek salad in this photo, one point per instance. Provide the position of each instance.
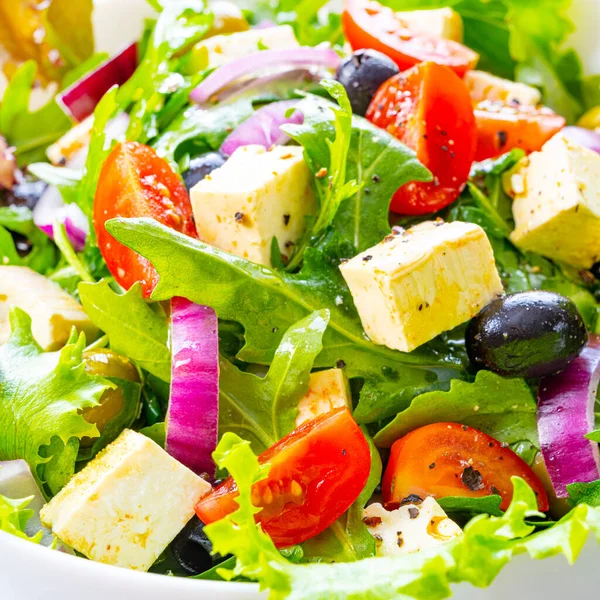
(301, 294)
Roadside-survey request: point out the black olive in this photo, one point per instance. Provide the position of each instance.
(362, 75)
(192, 549)
(26, 193)
(528, 334)
(202, 166)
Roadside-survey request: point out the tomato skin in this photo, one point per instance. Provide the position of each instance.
(317, 472)
(368, 24)
(431, 461)
(429, 109)
(136, 182)
(500, 128)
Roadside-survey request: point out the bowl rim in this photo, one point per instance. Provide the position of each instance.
(59, 561)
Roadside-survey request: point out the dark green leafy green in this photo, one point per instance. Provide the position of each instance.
(41, 397)
(584, 493)
(133, 328)
(503, 408)
(594, 436)
(264, 409)
(376, 161)
(266, 303)
(462, 505)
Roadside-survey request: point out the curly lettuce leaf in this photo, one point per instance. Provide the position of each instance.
(264, 409)
(501, 407)
(14, 516)
(41, 398)
(267, 303)
(486, 546)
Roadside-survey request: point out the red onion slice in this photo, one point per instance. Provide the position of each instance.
(566, 415)
(258, 61)
(51, 208)
(193, 415)
(263, 127)
(582, 136)
(79, 100)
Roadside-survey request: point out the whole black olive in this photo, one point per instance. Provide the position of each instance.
(362, 74)
(527, 334)
(202, 166)
(192, 549)
(26, 193)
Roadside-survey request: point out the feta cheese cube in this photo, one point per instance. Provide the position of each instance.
(484, 86)
(556, 204)
(126, 505)
(222, 49)
(410, 528)
(73, 145)
(443, 23)
(53, 311)
(413, 286)
(255, 195)
(327, 391)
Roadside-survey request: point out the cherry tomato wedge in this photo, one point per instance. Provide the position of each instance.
(449, 459)
(501, 128)
(368, 24)
(136, 182)
(317, 472)
(429, 109)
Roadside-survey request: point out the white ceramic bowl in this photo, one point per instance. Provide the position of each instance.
(31, 572)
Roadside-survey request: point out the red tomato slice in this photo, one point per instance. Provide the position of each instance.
(429, 109)
(368, 24)
(136, 182)
(501, 128)
(317, 472)
(449, 459)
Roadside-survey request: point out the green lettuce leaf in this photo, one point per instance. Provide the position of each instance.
(377, 162)
(14, 516)
(501, 407)
(264, 409)
(594, 436)
(41, 398)
(584, 493)
(133, 328)
(486, 546)
(267, 303)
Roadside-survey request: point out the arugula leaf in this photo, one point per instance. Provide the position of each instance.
(266, 303)
(133, 328)
(584, 493)
(41, 396)
(594, 436)
(67, 180)
(460, 505)
(330, 182)
(348, 539)
(376, 161)
(264, 409)
(14, 516)
(503, 408)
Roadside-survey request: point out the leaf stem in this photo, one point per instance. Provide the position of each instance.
(64, 245)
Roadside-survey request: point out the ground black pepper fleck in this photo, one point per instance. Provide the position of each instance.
(411, 499)
(472, 479)
(239, 216)
(286, 219)
(413, 512)
(340, 364)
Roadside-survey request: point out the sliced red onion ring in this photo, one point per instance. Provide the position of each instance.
(582, 136)
(79, 100)
(17, 482)
(193, 415)
(263, 127)
(565, 416)
(51, 208)
(258, 61)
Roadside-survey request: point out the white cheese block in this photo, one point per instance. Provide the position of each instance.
(127, 505)
(53, 311)
(73, 142)
(556, 204)
(222, 49)
(428, 279)
(327, 391)
(443, 23)
(254, 196)
(484, 86)
(410, 528)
